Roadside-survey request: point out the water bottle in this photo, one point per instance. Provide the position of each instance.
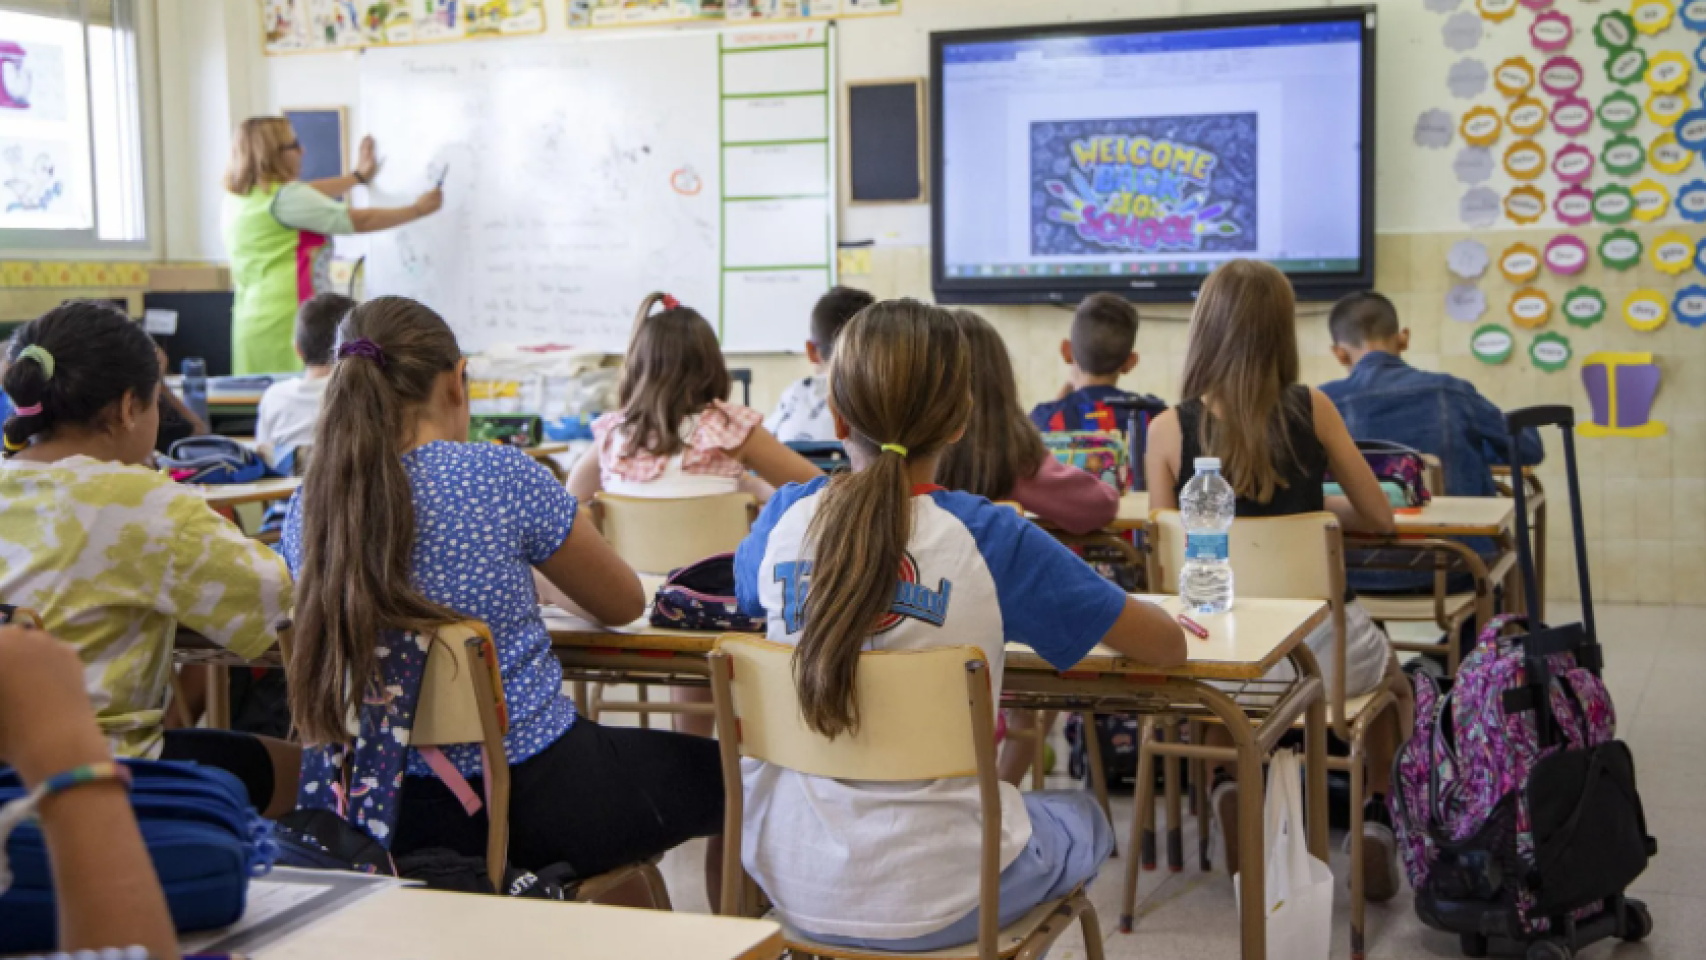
(194, 388)
(1207, 507)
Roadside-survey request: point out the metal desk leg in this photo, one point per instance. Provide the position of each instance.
(1315, 755)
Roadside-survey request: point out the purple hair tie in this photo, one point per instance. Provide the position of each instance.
(363, 347)
(33, 410)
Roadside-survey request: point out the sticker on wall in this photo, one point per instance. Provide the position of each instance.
(1691, 129)
(1492, 344)
(1465, 303)
(1621, 388)
(1530, 307)
(1689, 305)
(1626, 66)
(1646, 310)
(1474, 165)
(1691, 201)
(1566, 255)
(1613, 204)
(1468, 258)
(1620, 249)
(1481, 127)
(1479, 207)
(1525, 204)
(1433, 129)
(1652, 17)
(1668, 154)
(1550, 352)
(1613, 31)
(1572, 116)
(1462, 31)
(1667, 72)
(1551, 31)
(1574, 205)
(1526, 116)
(1519, 263)
(1693, 14)
(1495, 11)
(1652, 200)
(1514, 77)
(1583, 307)
(1467, 78)
(1526, 160)
(1618, 112)
(1561, 75)
(1665, 109)
(1573, 164)
(1672, 253)
(1623, 156)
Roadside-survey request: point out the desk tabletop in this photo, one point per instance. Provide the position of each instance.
(1242, 645)
(424, 925)
(222, 495)
(1443, 517)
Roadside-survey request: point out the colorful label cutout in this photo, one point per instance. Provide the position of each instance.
(1672, 253)
(1573, 164)
(1525, 160)
(1525, 204)
(1665, 109)
(1551, 31)
(1667, 72)
(1583, 307)
(1691, 200)
(1550, 352)
(1621, 388)
(1691, 130)
(1572, 116)
(1646, 310)
(1495, 11)
(1514, 77)
(1693, 14)
(1623, 155)
(1620, 249)
(1566, 255)
(1626, 66)
(1669, 155)
(1492, 344)
(1530, 307)
(1618, 112)
(1519, 263)
(1652, 200)
(1652, 17)
(1614, 31)
(1481, 126)
(1574, 205)
(1689, 306)
(1526, 116)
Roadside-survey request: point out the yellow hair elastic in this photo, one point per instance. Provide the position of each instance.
(895, 448)
(40, 356)
(14, 447)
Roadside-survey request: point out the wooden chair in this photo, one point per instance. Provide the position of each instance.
(900, 693)
(655, 536)
(1296, 557)
(461, 692)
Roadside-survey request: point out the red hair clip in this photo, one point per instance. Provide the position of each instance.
(670, 303)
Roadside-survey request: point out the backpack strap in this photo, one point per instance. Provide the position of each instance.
(452, 778)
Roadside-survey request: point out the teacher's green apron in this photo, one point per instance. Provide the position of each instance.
(273, 270)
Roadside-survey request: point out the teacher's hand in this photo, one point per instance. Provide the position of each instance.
(367, 164)
(428, 203)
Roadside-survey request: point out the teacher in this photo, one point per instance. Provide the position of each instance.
(278, 232)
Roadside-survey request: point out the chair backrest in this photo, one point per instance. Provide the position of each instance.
(1434, 474)
(449, 709)
(660, 535)
(900, 693)
(1270, 555)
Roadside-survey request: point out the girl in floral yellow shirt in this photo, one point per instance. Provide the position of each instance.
(114, 555)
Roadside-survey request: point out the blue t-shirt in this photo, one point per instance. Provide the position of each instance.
(485, 514)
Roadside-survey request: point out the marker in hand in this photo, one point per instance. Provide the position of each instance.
(441, 175)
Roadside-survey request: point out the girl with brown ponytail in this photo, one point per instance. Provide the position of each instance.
(882, 558)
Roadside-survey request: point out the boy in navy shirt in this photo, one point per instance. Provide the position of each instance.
(1100, 351)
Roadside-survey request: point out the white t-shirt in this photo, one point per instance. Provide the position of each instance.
(803, 412)
(289, 411)
(887, 861)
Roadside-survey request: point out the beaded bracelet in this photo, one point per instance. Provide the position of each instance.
(25, 807)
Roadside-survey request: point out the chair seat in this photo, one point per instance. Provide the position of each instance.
(1012, 937)
(1457, 605)
(1354, 707)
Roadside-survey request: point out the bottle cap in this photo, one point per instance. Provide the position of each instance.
(1207, 463)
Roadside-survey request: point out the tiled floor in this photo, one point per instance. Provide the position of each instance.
(1656, 668)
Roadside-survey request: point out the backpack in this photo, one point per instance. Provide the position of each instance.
(1118, 734)
(212, 460)
(1102, 455)
(701, 596)
(1401, 470)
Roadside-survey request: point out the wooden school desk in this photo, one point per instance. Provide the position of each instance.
(415, 924)
(1223, 678)
(223, 496)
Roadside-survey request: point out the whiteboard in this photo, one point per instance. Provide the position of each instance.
(581, 175)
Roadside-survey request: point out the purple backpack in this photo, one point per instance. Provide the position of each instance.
(701, 596)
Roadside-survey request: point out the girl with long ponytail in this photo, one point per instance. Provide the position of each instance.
(403, 525)
(882, 558)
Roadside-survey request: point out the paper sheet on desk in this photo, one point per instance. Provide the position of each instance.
(285, 902)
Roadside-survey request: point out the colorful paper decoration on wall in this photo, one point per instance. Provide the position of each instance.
(1652, 17)
(1667, 72)
(1621, 388)
(1467, 78)
(1672, 253)
(1572, 116)
(1668, 155)
(1550, 352)
(1465, 303)
(297, 26)
(1525, 160)
(1514, 77)
(1620, 249)
(1495, 11)
(1481, 127)
(1665, 109)
(1525, 204)
(584, 14)
(1583, 307)
(1652, 200)
(1473, 165)
(1479, 207)
(1625, 67)
(1561, 75)
(1618, 112)
(1519, 263)
(1462, 31)
(1468, 258)
(1613, 204)
(1574, 205)
(1492, 344)
(1566, 255)
(1689, 305)
(1433, 129)
(1691, 200)
(1530, 307)
(1573, 163)
(1646, 310)
(1551, 31)
(1623, 155)
(1526, 116)
(1691, 130)
(1614, 31)
(1693, 13)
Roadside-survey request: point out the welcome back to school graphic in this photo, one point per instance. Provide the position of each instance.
(1144, 185)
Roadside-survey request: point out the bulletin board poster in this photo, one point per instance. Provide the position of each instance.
(44, 125)
(315, 26)
(592, 14)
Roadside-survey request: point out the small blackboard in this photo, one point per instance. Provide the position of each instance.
(885, 142)
(325, 147)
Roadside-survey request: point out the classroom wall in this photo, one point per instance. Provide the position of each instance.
(1645, 500)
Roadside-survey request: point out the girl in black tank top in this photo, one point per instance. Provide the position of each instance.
(1302, 479)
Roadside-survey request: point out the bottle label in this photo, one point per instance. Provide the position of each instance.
(1205, 546)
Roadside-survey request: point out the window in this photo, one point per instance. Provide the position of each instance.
(70, 124)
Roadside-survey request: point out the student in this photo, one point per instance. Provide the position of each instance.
(677, 434)
(403, 524)
(291, 408)
(1385, 398)
(115, 556)
(1276, 439)
(803, 412)
(104, 885)
(1099, 352)
(895, 866)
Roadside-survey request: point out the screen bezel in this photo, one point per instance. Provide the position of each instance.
(1152, 288)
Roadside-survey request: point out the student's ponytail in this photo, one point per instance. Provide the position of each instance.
(70, 366)
(358, 515)
(901, 379)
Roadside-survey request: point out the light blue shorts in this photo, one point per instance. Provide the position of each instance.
(1070, 840)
